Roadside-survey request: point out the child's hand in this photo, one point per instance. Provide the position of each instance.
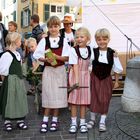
(116, 85)
(73, 87)
(49, 60)
(90, 68)
(54, 55)
(77, 85)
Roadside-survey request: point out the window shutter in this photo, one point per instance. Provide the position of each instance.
(21, 18)
(14, 16)
(66, 9)
(29, 15)
(46, 12)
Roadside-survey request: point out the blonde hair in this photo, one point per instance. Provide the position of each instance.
(103, 32)
(53, 20)
(83, 31)
(31, 39)
(11, 38)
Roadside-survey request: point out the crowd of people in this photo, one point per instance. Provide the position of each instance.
(84, 69)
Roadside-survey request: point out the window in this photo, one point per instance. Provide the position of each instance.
(59, 9)
(14, 16)
(46, 12)
(53, 8)
(25, 18)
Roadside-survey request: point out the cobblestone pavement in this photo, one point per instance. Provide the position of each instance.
(120, 126)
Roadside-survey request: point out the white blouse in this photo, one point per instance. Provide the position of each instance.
(73, 57)
(117, 67)
(5, 62)
(40, 50)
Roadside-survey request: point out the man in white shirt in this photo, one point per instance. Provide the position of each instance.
(67, 32)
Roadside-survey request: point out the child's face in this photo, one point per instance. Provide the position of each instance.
(102, 42)
(54, 30)
(32, 46)
(81, 40)
(18, 43)
(11, 27)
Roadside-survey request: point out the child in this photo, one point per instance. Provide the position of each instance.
(13, 99)
(12, 26)
(101, 82)
(32, 44)
(80, 59)
(53, 77)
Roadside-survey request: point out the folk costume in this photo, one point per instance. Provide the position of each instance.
(13, 99)
(101, 80)
(80, 56)
(53, 77)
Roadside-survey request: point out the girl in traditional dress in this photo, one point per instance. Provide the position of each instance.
(79, 74)
(53, 97)
(13, 99)
(103, 62)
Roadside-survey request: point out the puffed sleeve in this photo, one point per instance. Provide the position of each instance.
(117, 67)
(73, 58)
(92, 54)
(39, 52)
(91, 59)
(66, 48)
(5, 62)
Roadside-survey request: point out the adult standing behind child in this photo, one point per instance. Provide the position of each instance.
(13, 99)
(53, 77)
(79, 73)
(67, 32)
(37, 31)
(104, 60)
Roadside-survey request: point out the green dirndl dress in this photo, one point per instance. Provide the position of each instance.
(13, 98)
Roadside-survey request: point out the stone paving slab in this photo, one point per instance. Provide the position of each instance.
(120, 126)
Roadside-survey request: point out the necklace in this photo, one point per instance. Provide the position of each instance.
(84, 56)
(54, 40)
(101, 53)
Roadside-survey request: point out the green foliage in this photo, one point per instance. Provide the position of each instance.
(32, 78)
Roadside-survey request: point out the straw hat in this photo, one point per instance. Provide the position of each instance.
(67, 19)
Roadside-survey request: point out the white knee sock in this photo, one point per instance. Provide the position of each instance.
(7, 121)
(45, 118)
(54, 119)
(103, 118)
(82, 121)
(92, 116)
(74, 120)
